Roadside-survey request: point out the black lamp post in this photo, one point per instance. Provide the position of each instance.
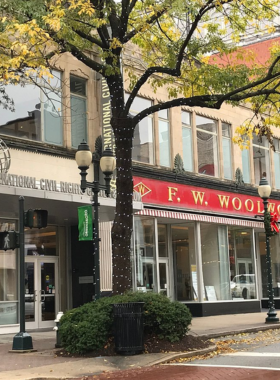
(107, 163)
(264, 191)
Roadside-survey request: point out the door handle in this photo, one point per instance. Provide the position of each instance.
(35, 295)
(43, 294)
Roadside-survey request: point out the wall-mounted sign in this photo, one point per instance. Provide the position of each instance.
(52, 185)
(188, 197)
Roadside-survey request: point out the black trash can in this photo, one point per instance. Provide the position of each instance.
(128, 328)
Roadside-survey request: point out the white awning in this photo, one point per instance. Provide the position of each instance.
(201, 218)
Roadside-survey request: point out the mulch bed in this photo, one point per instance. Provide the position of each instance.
(152, 344)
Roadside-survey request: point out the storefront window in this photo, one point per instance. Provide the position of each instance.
(215, 262)
(40, 242)
(275, 264)
(8, 281)
(242, 269)
(145, 254)
(207, 147)
(183, 244)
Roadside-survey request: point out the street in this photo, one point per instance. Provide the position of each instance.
(243, 356)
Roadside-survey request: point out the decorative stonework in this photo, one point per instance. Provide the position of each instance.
(5, 157)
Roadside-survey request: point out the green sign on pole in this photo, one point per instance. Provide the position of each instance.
(85, 223)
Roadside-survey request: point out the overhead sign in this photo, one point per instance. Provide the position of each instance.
(85, 223)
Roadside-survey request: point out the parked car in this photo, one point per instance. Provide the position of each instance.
(243, 286)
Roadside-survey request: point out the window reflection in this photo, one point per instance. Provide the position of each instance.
(207, 146)
(261, 159)
(37, 114)
(145, 254)
(8, 281)
(183, 244)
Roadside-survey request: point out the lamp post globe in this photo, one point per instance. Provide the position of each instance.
(83, 155)
(108, 162)
(264, 188)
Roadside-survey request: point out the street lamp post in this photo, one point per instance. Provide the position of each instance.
(107, 163)
(264, 191)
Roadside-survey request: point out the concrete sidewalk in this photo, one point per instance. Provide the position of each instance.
(46, 364)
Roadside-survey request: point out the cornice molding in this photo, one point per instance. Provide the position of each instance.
(38, 147)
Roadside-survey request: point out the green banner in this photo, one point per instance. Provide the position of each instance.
(85, 222)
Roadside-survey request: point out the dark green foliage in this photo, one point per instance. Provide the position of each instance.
(88, 327)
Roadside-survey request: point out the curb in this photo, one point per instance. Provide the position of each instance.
(274, 326)
(176, 355)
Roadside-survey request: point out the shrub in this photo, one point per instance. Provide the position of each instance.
(88, 327)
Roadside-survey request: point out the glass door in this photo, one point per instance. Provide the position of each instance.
(164, 286)
(40, 291)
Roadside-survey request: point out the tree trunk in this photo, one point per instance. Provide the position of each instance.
(123, 223)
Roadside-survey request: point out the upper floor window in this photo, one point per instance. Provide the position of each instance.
(78, 110)
(143, 141)
(164, 138)
(207, 147)
(187, 141)
(276, 143)
(246, 164)
(261, 159)
(226, 143)
(37, 114)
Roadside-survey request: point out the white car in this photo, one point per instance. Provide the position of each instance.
(243, 286)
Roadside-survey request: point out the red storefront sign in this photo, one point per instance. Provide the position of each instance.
(187, 197)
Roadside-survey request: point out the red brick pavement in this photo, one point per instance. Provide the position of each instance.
(189, 373)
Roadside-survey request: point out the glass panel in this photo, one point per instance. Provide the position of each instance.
(8, 282)
(163, 114)
(48, 291)
(263, 142)
(227, 158)
(183, 244)
(215, 262)
(143, 145)
(25, 121)
(187, 149)
(164, 144)
(162, 240)
(40, 242)
(139, 104)
(226, 130)
(52, 118)
(145, 254)
(186, 117)
(78, 85)
(37, 113)
(208, 153)
(29, 293)
(261, 163)
(275, 264)
(277, 169)
(242, 269)
(78, 120)
(206, 124)
(163, 278)
(246, 166)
